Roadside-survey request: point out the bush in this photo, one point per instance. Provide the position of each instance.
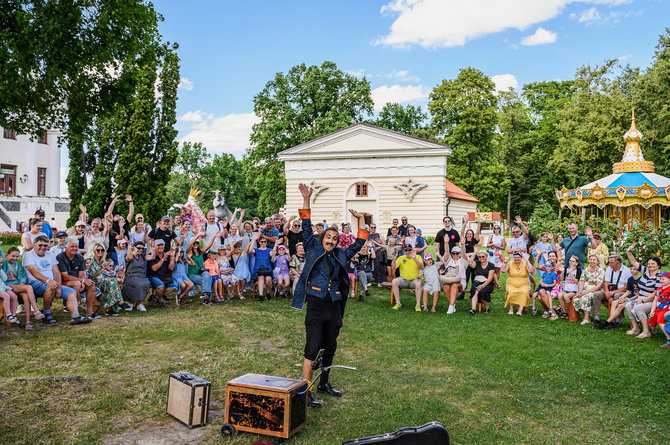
(430, 240)
(10, 237)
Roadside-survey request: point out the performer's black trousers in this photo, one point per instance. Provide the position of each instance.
(322, 325)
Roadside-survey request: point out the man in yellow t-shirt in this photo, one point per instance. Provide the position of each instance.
(410, 265)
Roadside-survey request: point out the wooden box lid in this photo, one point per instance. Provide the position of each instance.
(268, 382)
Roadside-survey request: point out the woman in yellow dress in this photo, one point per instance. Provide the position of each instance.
(517, 288)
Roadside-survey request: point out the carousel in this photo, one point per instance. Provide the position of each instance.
(632, 195)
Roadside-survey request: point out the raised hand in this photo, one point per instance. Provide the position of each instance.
(129, 198)
(588, 231)
(518, 220)
(305, 191)
(630, 248)
(355, 213)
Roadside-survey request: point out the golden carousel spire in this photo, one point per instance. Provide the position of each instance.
(633, 160)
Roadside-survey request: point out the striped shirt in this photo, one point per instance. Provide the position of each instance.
(647, 284)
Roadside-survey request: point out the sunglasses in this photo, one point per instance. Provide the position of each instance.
(455, 253)
(42, 245)
(296, 225)
(262, 241)
(99, 250)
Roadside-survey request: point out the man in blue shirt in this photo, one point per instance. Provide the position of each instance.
(46, 227)
(576, 244)
(270, 233)
(324, 283)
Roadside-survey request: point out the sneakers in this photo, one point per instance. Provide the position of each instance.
(367, 292)
(472, 312)
(12, 319)
(126, 307)
(19, 309)
(360, 298)
(417, 308)
(451, 310)
(140, 307)
(397, 306)
(94, 315)
(207, 303)
(534, 310)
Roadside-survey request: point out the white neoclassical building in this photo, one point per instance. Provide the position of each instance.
(30, 178)
(381, 173)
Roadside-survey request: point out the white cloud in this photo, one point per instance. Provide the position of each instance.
(194, 116)
(357, 73)
(504, 82)
(229, 133)
(444, 23)
(185, 84)
(402, 75)
(397, 93)
(541, 37)
(589, 16)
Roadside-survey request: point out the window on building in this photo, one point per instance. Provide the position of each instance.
(361, 190)
(7, 180)
(43, 138)
(41, 181)
(8, 134)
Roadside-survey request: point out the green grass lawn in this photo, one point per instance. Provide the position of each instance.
(489, 378)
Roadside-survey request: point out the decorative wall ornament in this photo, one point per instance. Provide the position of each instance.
(410, 188)
(316, 189)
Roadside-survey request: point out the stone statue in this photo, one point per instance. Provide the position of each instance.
(220, 208)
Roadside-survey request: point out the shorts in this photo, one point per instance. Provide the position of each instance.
(658, 317)
(389, 263)
(323, 321)
(544, 288)
(264, 272)
(283, 276)
(40, 288)
(158, 283)
(407, 284)
(430, 289)
(215, 278)
(352, 276)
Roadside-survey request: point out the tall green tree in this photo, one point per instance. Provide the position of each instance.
(404, 119)
(591, 126)
(64, 63)
(146, 138)
(305, 103)
(650, 92)
(464, 115)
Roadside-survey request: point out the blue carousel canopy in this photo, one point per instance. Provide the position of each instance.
(630, 180)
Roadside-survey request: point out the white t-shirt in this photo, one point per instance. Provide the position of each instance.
(43, 264)
(516, 243)
(212, 229)
(613, 278)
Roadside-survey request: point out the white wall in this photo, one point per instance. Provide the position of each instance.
(27, 156)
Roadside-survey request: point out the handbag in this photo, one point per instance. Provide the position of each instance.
(451, 275)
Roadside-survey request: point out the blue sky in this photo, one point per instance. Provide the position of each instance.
(230, 49)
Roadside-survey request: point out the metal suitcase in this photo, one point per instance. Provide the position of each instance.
(188, 398)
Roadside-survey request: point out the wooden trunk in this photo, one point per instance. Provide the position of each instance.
(266, 405)
(188, 398)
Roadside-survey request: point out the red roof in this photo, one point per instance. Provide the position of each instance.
(455, 192)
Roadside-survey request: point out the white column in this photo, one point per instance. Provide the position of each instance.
(53, 170)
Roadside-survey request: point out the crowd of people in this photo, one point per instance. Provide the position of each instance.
(111, 264)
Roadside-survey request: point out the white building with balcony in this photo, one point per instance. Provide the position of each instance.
(30, 179)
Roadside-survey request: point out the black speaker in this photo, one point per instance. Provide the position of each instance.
(433, 433)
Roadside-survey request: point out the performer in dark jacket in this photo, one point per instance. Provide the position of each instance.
(325, 285)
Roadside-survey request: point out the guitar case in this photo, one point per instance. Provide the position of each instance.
(433, 433)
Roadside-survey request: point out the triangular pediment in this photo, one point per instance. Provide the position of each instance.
(363, 140)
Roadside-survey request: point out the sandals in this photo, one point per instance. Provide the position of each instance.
(472, 312)
(29, 326)
(632, 332)
(49, 319)
(564, 316)
(12, 319)
(643, 335)
(242, 297)
(546, 314)
(534, 311)
(433, 310)
(37, 315)
(554, 316)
